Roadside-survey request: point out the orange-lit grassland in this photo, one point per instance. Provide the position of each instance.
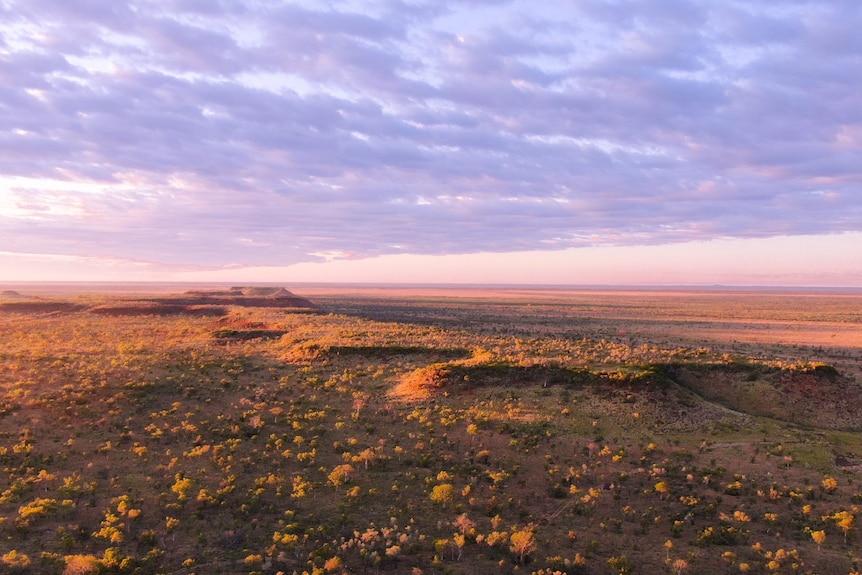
(445, 430)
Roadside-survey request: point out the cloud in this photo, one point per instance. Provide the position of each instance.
(255, 133)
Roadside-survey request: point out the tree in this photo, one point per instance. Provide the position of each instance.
(341, 474)
(523, 542)
(464, 525)
(679, 566)
(15, 560)
(81, 565)
(442, 493)
(819, 537)
(845, 521)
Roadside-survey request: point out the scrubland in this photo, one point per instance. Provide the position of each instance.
(437, 431)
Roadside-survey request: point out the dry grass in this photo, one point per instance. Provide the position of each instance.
(423, 431)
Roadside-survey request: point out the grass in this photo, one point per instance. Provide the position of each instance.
(262, 440)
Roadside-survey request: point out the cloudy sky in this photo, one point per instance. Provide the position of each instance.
(570, 141)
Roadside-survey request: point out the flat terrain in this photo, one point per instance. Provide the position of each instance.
(813, 325)
(177, 429)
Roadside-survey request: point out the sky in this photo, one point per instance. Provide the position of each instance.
(432, 141)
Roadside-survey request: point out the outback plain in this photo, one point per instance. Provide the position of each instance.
(419, 430)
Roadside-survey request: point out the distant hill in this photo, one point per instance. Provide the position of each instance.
(244, 297)
(199, 303)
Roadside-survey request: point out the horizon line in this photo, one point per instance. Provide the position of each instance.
(4, 284)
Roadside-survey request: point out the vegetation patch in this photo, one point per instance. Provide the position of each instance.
(158, 309)
(246, 334)
(387, 351)
(809, 395)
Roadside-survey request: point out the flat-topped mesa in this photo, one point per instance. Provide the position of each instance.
(262, 291)
(251, 291)
(250, 296)
(10, 294)
(207, 303)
